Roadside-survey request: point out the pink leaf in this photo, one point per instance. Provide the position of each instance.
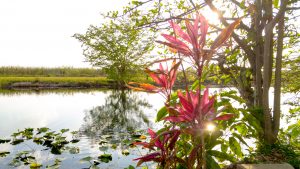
(179, 31)
(192, 35)
(174, 40)
(208, 106)
(185, 103)
(151, 133)
(205, 97)
(204, 28)
(175, 119)
(184, 50)
(174, 139)
(224, 117)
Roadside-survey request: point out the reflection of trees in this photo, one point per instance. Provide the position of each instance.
(123, 111)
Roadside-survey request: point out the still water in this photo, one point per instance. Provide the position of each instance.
(97, 115)
(93, 113)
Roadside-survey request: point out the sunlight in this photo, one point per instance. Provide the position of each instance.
(210, 127)
(212, 17)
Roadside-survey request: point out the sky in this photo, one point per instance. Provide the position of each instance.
(38, 33)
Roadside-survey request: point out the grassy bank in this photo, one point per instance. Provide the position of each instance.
(13, 71)
(54, 82)
(61, 77)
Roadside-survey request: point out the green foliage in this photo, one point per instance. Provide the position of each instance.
(117, 47)
(235, 147)
(276, 153)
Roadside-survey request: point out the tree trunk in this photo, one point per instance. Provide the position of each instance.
(277, 85)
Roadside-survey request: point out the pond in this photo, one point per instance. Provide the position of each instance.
(107, 121)
(97, 115)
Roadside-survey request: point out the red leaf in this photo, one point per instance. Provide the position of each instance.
(175, 119)
(184, 102)
(148, 87)
(205, 97)
(180, 32)
(174, 139)
(192, 157)
(174, 40)
(184, 50)
(192, 35)
(225, 34)
(173, 72)
(204, 28)
(224, 117)
(145, 145)
(156, 79)
(148, 157)
(208, 106)
(151, 133)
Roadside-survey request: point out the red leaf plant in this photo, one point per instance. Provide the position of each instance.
(163, 77)
(191, 110)
(188, 114)
(163, 145)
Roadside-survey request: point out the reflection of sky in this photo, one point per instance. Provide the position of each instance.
(55, 111)
(52, 110)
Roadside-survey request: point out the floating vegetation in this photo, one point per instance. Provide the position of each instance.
(64, 141)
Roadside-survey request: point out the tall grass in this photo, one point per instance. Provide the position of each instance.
(14, 71)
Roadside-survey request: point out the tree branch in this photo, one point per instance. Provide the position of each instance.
(243, 44)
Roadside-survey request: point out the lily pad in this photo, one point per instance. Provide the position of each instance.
(74, 150)
(105, 158)
(125, 152)
(35, 165)
(114, 146)
(86, 159)
(4, 141)
(75, 140)
(17, 141)
(102, 142)
(4, 153)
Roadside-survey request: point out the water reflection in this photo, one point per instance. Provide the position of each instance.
(122, 111)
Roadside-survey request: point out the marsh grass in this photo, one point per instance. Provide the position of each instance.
(92, 81)
(49, 72)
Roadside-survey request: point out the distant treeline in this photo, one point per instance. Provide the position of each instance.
(49, 72)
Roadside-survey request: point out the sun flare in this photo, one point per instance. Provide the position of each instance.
(212, 17)
(210, 127)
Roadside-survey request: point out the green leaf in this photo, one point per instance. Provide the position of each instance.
(86, 159)
(224, 147)
(275, 3)
(240, 138)
(221, 155)
(211, 163)
(235, 147)
(161, 114)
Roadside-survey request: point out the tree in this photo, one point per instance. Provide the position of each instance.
(257, 47)
(117, 47)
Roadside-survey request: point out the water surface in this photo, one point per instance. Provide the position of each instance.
(96, 114)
